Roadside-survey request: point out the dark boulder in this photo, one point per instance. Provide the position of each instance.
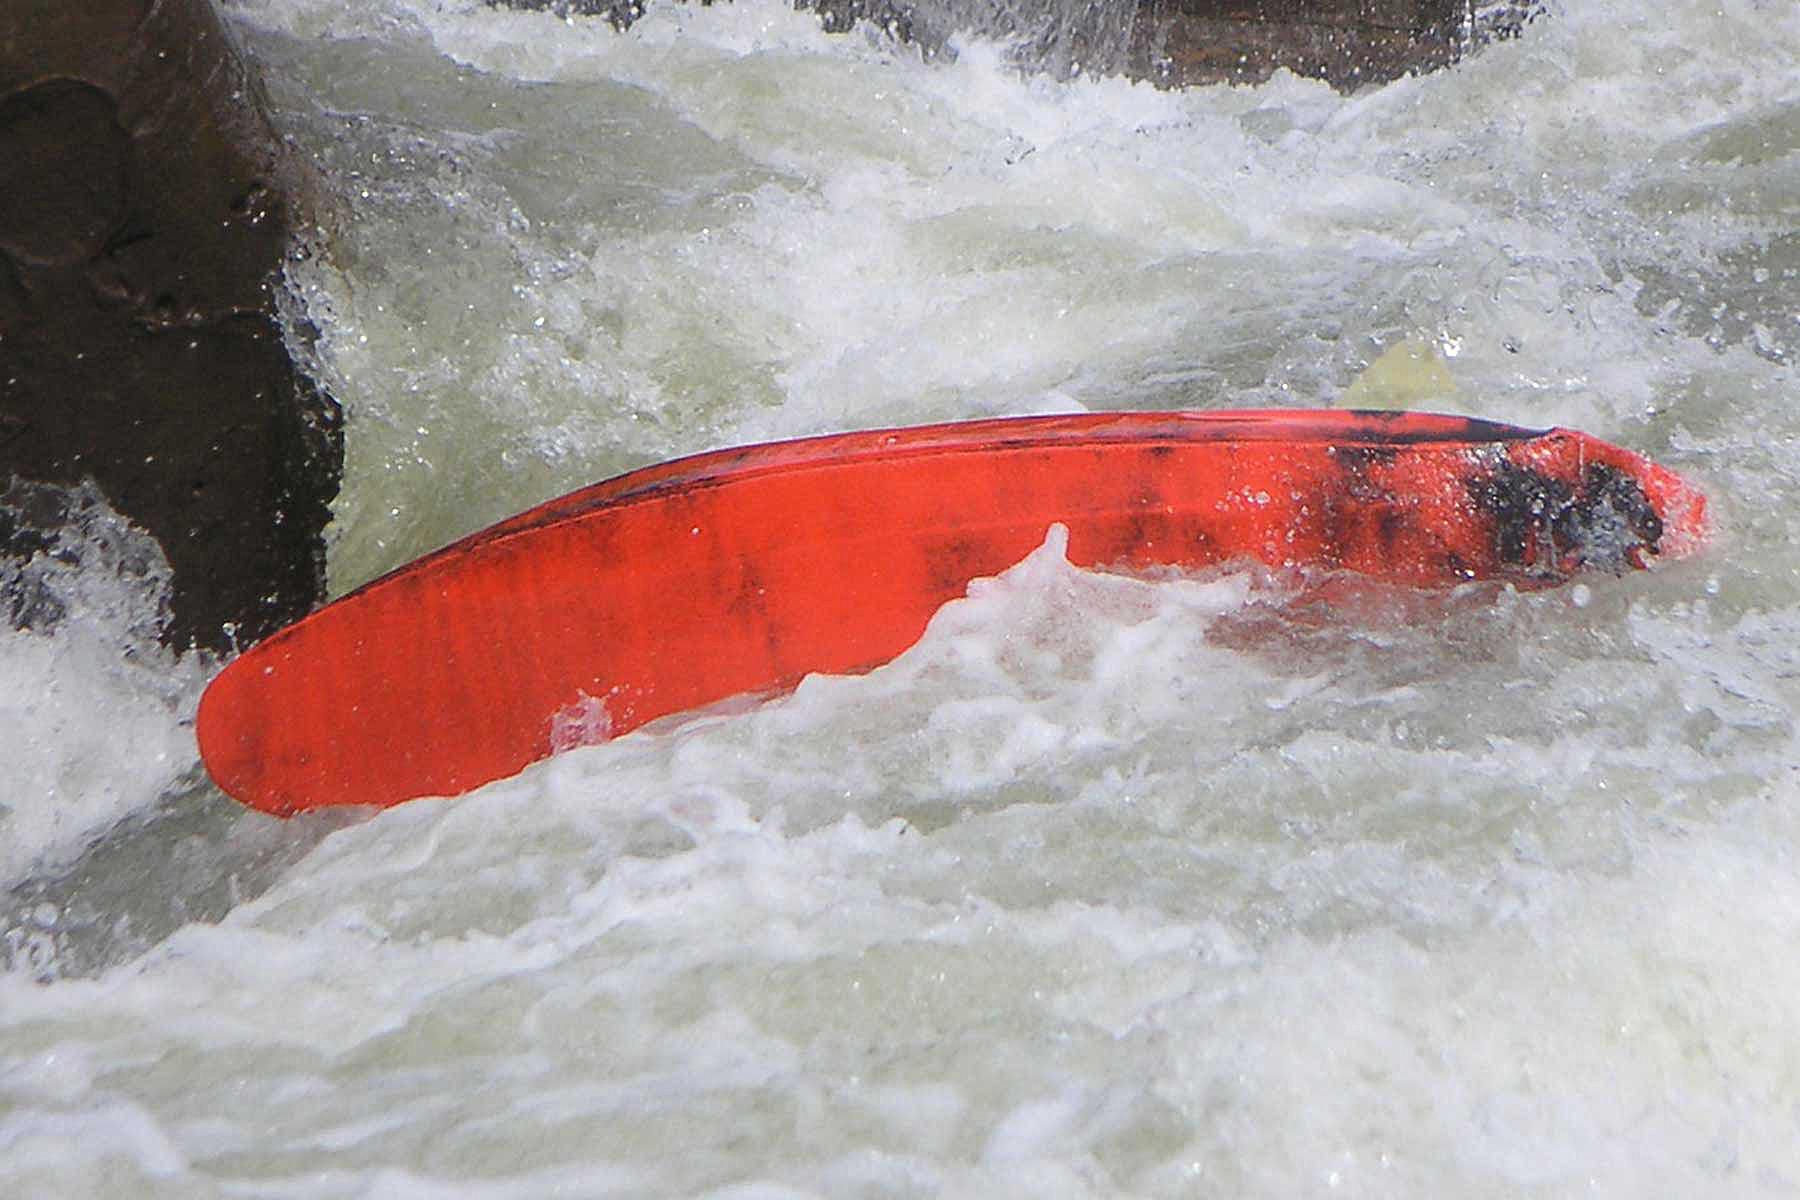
(1345, 42)
(146, 206)
(1176, 43)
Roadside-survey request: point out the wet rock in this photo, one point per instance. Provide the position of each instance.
(145, 215)
(1346, 42)
(620, 14)
(1176, 43)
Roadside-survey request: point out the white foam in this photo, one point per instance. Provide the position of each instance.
(94, 718)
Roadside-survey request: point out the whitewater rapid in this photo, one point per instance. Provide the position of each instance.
(1110, 886)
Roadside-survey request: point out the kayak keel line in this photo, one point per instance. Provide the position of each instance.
(742, 571)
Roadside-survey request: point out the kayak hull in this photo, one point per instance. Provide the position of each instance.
(742, 571)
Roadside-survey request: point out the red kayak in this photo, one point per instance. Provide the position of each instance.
(742, 571)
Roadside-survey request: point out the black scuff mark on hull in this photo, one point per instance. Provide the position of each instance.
(1526, 506)
(1551, 530)
(1612, 525)
(1390, 526)
(1358, 458)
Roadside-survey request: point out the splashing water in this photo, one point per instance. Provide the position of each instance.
(1110, 886)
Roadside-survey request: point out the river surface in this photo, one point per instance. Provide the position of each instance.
(1111, 886)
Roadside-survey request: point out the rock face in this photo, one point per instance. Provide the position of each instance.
(1176, 43)
(1346, 42)
(146, 205)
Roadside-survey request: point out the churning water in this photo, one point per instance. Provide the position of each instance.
(1110, 886)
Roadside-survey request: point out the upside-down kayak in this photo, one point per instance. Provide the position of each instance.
(742, 571)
